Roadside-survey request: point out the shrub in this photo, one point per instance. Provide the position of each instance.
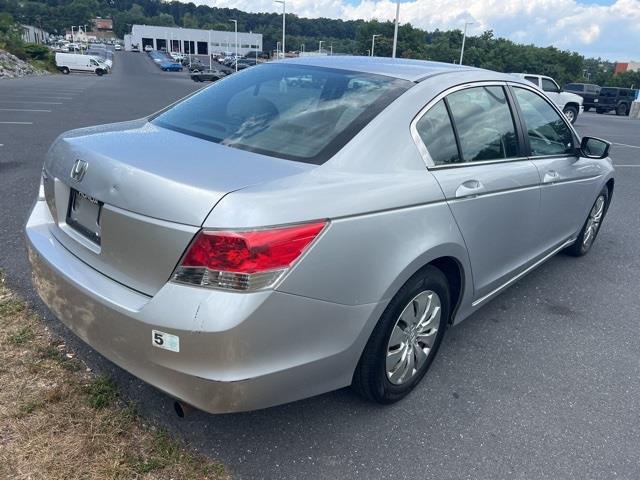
(36, 51)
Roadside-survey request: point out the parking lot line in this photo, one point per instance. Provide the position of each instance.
(23, 110)
(17, 123)
(630, 166)
(625, 145)
(23, 101)
(47, 97)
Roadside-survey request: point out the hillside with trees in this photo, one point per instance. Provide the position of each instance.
(347, 37)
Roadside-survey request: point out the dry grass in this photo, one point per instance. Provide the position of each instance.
(60, 421)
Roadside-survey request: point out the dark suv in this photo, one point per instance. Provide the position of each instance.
(588, 91)
(614, 98)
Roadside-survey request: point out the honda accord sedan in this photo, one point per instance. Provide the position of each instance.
(308, 224)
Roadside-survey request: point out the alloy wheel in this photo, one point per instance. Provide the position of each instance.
(413, 337)
(593, 222)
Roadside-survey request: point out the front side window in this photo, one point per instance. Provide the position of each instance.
(484, 124)
(549, 85)
(547, 131)
(294, 112)
(436, 133)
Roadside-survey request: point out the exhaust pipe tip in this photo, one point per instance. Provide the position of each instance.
(182, 409)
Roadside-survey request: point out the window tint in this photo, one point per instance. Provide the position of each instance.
(549, 85)
(548, 133)
(533, 80)
(288, 111)
(484, 124)
(574, 87)
(609, 92)
(436, 133)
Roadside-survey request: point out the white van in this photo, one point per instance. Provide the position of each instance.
(73, 62)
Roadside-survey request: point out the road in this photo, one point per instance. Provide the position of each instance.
(542, 383)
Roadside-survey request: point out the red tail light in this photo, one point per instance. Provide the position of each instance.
(244, 260)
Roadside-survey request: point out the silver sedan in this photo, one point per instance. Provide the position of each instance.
(308, 224)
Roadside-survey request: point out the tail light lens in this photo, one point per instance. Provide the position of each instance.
(244, 260)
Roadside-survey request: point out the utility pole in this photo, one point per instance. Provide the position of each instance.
(373, 41)
(395, 30)
(464, 37)
(283, 23)
(320, 46)
(235, 22)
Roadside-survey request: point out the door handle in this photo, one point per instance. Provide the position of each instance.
(470, 188)
(550, 176)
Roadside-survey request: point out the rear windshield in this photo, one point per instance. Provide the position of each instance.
(609, 92)
(288, 111)
(575, 87)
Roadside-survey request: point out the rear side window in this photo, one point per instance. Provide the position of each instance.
(436, 133)
(548, 133)
(294, 112)
(609, 92)
(533, 80)
(484, 124)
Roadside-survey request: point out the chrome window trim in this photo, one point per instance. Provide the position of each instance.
(422, 148)
(424, 152)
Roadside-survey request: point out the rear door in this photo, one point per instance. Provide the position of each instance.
(475, 154)
(568, 181)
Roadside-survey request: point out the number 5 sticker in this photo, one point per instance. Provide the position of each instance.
(165, 340)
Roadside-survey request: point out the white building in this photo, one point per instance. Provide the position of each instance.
(191, 40)
(31, 34)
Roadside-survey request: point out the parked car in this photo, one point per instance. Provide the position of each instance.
(170, 66)
(569, 103)
(280, 254)
(135, 48)
(117, 47)
(177, 56)
(617, 99)
(207, 75)
(588, 91)
(74, 62)
(244, 63)
(148, 48)
(196, 65)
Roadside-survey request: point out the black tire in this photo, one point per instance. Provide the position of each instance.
(65, 70)
(600, 110)
(622, 110)
(571, 113)
(586, 109)
(370, 378)
(99, 72)
(579, 248)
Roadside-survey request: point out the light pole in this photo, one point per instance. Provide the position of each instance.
(331, 47)
(395, 30)
(320, 46)
(303, 48)
(373, 41)
(235, 23)
(209, 51)
(283, 23)
(464, 37)
(277, 49)
(72, 40)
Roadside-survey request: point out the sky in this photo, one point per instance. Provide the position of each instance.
(595, 28)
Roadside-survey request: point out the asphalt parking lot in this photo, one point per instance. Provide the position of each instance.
(542, 383)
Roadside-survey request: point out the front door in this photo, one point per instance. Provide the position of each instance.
(492, 190)
(569, 182)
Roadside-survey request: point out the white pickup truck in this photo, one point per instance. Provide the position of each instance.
(569, 103)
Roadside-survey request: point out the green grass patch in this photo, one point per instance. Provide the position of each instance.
(22, 336)
(102, 392)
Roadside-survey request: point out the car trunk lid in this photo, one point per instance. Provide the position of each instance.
(140, 194)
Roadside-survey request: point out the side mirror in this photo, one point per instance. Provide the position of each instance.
(592, 147)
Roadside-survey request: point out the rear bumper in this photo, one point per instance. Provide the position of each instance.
(237, 351)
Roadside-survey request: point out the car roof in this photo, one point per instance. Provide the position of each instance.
(403, 68)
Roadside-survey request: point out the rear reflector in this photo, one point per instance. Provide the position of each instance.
(244, 260)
